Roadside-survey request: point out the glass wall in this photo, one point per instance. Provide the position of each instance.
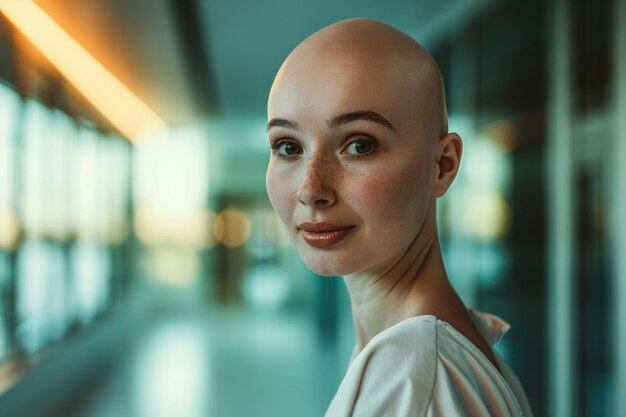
(64, 213)
(10, 109)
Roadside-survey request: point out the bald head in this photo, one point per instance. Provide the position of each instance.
(363, 64)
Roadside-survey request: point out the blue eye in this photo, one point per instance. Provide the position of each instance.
(360, 147)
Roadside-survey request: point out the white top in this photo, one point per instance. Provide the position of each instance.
(424, 367)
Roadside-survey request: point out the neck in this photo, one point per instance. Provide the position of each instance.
(414, 283)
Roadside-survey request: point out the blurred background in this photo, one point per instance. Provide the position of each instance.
(144, 273)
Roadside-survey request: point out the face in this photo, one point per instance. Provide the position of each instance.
(350, 174)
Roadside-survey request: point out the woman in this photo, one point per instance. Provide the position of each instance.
(360, 153)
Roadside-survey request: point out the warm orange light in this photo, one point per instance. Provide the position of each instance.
(112, 98)
(231, 228)
(9, 229)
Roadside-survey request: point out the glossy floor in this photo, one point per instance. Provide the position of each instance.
(223, 363)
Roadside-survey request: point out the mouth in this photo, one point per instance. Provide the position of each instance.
(323, 234)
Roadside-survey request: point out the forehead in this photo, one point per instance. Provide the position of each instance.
(312, 89)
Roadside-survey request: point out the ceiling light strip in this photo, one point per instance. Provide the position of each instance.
(101, 88)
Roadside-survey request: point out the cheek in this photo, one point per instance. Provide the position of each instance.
(280, 193)
(392, 198)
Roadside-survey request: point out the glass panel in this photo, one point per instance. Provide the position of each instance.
(594, 294)
(90, 279)
(40, 302)
(90, 257)
(119, 190)
(58, 145)
(84, 185)
(9, 228)
(592, 36)
(34, 170)
(119, 177)
(9, 108)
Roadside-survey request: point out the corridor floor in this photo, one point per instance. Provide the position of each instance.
(223, 363)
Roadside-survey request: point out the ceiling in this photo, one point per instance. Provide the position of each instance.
(192, 59)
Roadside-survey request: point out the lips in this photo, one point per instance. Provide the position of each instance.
(324, 234)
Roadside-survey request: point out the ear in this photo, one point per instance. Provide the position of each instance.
(447, 160)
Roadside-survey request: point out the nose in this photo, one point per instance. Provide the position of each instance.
(316, 190)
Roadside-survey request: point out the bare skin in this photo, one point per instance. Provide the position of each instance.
(391, 260)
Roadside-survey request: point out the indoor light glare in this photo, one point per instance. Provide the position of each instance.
(101, 88)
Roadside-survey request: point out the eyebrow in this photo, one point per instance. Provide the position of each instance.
(368, 115)
(282, 123)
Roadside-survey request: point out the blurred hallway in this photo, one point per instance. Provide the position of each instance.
(143, 270)
(222, 363)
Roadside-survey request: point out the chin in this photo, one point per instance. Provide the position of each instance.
(327, 267)
(324, 272)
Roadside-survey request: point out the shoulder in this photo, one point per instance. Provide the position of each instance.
(414, 339)
(423, 367)
(397, 370)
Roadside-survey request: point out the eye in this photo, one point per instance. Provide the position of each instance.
(360, 147)
(285, 148)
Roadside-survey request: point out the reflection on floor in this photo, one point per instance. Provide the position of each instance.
(226, 364)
